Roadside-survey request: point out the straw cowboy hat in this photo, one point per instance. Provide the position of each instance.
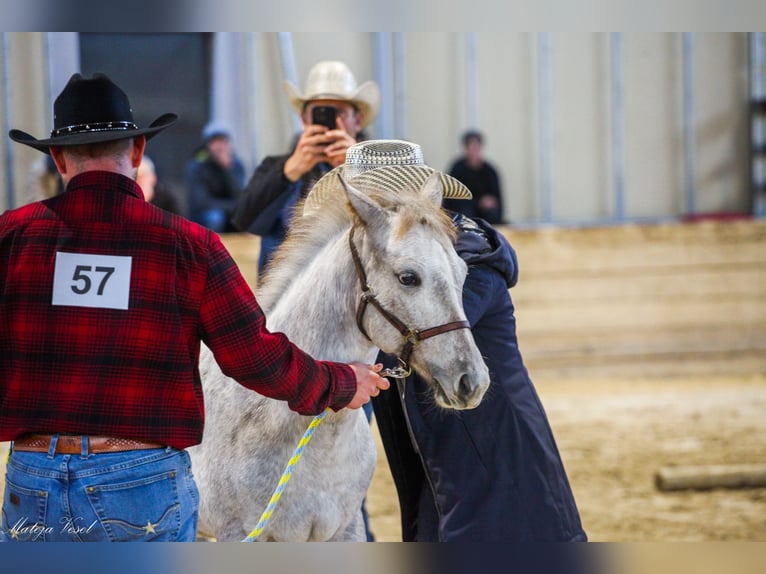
(391, 165)
(92, 110)
(330, 80)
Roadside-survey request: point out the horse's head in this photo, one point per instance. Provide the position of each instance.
(404, 245)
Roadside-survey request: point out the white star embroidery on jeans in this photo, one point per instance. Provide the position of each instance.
(149, 528)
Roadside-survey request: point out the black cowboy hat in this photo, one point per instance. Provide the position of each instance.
(90, 111)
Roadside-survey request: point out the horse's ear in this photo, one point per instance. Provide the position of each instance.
(432, 189)
(368, 211)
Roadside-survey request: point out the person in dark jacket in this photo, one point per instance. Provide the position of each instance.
(492, 473)
(215, 177)
(481, 177)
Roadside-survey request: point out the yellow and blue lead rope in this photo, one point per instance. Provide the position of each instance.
(285, 477)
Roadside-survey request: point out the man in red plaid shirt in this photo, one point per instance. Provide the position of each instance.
(104, 300)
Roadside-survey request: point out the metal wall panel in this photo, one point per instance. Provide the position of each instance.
(584, 128)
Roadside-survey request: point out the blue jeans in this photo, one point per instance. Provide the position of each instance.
(138, 495)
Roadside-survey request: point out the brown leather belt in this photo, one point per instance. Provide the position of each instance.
(72, 444)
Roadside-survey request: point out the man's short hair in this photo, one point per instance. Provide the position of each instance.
(113, 148)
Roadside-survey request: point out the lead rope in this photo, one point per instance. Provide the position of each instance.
(400, 372)
(284, 479)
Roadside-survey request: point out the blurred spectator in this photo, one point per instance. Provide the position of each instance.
(156, 192)
(481, 178)
(43, 180)
(215, 177)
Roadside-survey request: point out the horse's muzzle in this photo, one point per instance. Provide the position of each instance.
(467, 393)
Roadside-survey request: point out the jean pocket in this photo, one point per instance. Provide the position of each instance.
(140, 510)
(24, 513)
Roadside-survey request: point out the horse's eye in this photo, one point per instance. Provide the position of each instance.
(409, 279)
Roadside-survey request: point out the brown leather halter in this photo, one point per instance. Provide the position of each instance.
(411, 336)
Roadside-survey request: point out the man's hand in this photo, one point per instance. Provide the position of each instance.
(335, 151)
(309, 151)
(368, 383)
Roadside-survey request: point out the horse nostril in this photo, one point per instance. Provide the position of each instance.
(464, 388)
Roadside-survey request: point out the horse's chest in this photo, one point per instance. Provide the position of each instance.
(341, 455)
(328, 484)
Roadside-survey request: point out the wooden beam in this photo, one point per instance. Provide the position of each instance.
(706, 477)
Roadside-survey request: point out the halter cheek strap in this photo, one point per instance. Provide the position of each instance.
(411, 336)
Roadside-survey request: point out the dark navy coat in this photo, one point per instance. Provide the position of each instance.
(492, 473)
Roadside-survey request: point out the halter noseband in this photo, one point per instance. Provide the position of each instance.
(411, 336)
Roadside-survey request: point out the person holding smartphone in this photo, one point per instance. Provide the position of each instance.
(333, 111)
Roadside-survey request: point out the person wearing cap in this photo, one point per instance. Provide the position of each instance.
(280, 181)
(215, 177)
(492, 473)
(104, 304)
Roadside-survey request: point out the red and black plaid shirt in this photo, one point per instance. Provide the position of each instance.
(111, 346)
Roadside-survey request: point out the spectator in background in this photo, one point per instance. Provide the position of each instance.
(43, 180)
(155, 193)
(481, 178)
(214, 177)
(280, 181)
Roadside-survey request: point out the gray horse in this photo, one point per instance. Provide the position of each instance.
(404, 246)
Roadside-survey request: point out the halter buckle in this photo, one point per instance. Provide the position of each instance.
(367, 293)
(412, 336)
(401, 372)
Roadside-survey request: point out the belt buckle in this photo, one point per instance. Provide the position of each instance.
(72, 443)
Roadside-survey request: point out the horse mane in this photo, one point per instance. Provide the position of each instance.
(310, 231)
(307, 235)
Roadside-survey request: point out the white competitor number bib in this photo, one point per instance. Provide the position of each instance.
(87, 280)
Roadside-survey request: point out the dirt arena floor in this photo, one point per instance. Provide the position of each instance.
(615, 435)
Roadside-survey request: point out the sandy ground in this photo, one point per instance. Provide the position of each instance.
(615, 435)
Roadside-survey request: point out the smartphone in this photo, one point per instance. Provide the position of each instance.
(324, 116)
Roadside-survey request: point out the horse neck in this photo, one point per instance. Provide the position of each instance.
(317, 309)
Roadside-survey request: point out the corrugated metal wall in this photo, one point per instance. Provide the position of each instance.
(584, 128)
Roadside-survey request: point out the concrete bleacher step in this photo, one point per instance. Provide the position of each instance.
(650, 300)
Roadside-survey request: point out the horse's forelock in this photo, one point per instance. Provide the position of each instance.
(426, 215)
